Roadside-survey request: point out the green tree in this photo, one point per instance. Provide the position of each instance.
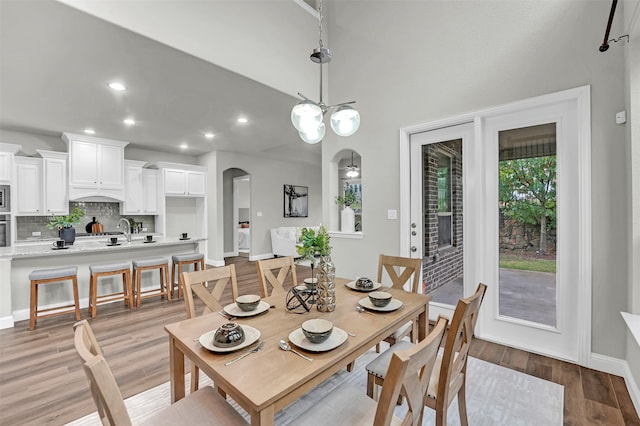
(528, 193)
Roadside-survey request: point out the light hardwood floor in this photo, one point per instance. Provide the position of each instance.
(42, 382)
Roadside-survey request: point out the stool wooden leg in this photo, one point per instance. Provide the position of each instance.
(179, 280)
(137, 279)
(164, 280)
(93, 289)
(127, 276)
(76, 301)
(173, 276)
(33, 306)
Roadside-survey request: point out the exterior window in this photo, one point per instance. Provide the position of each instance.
(444, 200)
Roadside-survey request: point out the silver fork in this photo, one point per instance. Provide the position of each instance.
(252, 351)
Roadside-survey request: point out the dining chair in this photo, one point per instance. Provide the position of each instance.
(410, 270)
(203, 407)
(408, 376)
(284, 265)
(196, 283)
(450, 372)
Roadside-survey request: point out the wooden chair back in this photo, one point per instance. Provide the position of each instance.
(408, 375)
(197, 283)
(104, 389)
(453, 369)
(410, 269)
(284, 265)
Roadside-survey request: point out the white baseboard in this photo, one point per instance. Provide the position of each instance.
(255, 257)
(216, 263)
(6, 322)
(230, 254)
(617, 367)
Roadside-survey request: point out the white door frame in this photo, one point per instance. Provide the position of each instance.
(582, 98)
(236, 181)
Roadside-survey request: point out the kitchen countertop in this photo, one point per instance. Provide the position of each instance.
(90, 245)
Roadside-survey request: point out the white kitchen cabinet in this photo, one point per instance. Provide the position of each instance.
(141, 189)
(7, 153)
(186, 183)
(55, 186)
(96, 167)
(29, 186)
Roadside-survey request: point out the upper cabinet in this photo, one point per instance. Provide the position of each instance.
(141, 189)
(41, 185)
(7, 152)
(96, 167)
(185, 183)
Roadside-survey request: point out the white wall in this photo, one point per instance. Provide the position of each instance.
(437, 59)
(268, 178)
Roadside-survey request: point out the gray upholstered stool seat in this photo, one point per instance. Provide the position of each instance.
(179, 261)
(50, 274)
(189, 257)
(102, 270)
(140, 265)
(47, 276)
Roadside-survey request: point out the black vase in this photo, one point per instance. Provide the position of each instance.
(68, 235)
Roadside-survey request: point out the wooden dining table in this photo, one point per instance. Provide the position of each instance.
(265, 382)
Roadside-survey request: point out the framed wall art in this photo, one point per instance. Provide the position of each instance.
(296, 201)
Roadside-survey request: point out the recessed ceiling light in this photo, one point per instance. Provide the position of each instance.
(90, 131)
(118, 87)
(184, 145)
(129, 121)
(208, 135)
(242, 120)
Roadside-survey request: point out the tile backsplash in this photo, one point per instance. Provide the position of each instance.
(108, 214)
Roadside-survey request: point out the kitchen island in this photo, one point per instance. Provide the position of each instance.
(18, 261)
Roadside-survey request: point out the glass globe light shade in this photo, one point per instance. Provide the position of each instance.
(314, 135)
(306, 115)
(352, 171)
(345, 121)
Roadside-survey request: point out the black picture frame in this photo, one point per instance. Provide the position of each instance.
(296, 201)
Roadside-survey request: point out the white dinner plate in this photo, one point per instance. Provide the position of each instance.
(233, 309)
(338, 337)
(352, 286)
(392, 306)
(251, 335)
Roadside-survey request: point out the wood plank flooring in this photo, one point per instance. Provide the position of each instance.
(42, 382)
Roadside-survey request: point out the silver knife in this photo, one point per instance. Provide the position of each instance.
(254, 350)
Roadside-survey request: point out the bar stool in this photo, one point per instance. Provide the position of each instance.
(179, 260)
(47, 276)
(106, 270)
(159, 263)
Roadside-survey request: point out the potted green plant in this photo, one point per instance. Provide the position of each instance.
(64, 224)
(350, 201)
(310, 245)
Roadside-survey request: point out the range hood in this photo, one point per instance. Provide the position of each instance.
(96, 199)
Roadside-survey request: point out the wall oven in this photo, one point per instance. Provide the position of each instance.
(5, 230)
(5, 199)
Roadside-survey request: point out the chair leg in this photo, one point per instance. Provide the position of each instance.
(350, 366)
(76, 299)
(377, 348)
(195, 377)
(371, 386)
(462, 405)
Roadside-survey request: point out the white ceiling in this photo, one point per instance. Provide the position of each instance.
(56, 62)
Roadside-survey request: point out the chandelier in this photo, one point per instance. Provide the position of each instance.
(307, 116)
(352, 170)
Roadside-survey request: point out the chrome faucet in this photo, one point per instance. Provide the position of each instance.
(127, 229)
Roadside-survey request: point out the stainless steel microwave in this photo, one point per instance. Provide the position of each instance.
(5, 199)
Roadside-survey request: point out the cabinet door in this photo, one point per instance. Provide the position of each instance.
(133, 201)
(175, 182)
(150, 190)
(196, 184)
(55, 188)
(29, 187)
(83, 164)
(5, 167)
(110, 162)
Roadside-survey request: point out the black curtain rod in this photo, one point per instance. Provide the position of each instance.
(605, 43)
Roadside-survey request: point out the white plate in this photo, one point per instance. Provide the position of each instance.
(251, 335)
(338, 337)
(392, 306)
(233, 310)
(352, 286)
